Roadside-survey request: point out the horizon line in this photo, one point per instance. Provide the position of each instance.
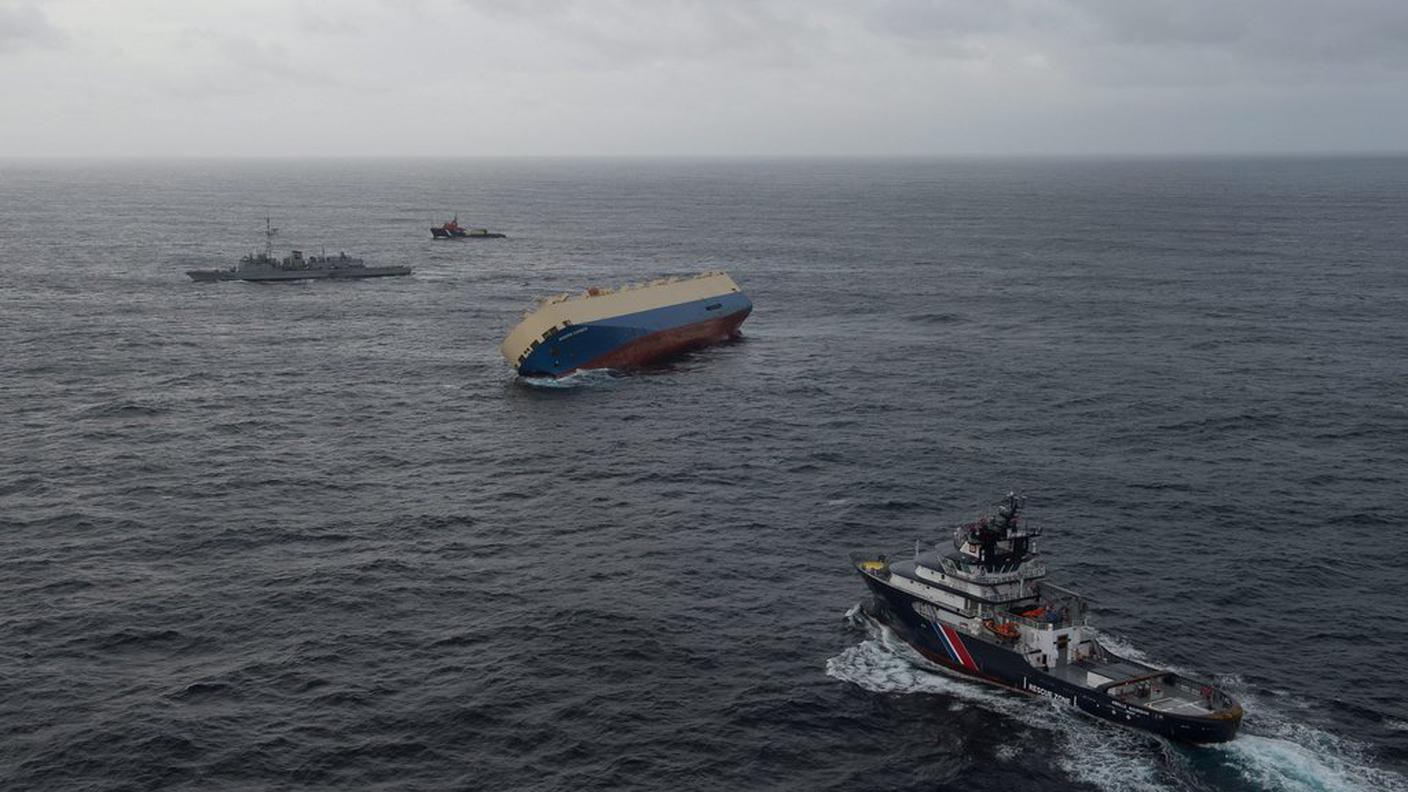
(1109, 156)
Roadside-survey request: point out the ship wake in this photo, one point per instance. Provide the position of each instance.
(1288, 756)
(1278, 755)
(582, 378)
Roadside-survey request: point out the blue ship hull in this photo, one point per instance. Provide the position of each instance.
(1001, 666)
(639, 338)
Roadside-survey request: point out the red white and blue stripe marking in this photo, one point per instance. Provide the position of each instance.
(957, 652)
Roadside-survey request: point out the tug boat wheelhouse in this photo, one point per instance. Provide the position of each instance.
(984, 609)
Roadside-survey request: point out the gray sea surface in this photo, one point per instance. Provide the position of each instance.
(318, 536)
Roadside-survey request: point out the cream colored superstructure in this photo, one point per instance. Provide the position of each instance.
(554, 313)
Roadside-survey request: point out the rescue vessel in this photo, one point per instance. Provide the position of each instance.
(453, 230)
(984, 609)
(626, 327)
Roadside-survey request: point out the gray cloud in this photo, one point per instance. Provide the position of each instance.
(704, 76)
(1163, 42)
(626, 33)
(1276, 32)
(25, 25)
(949, 18)
(1117, 41)
(250, 55)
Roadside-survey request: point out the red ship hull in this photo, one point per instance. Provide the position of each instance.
(666, 343)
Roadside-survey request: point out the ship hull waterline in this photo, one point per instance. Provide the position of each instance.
(656, 346)
(440, 233)
(212, 276)
(987, 662)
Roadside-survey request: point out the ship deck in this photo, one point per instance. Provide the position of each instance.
(1115, 670)
(1141, 685)
(1179, 706)
(1079, 673)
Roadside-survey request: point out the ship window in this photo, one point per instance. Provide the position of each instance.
(548, 333)
(532, 346)
(714, 307)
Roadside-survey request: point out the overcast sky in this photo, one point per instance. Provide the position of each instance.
(701, 77)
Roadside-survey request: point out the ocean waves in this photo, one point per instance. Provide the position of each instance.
(269, 536)
(1276, 753)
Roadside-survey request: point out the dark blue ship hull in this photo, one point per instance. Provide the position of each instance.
(989, 662)
(639, 338)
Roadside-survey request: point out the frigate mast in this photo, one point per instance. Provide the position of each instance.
(269, 232)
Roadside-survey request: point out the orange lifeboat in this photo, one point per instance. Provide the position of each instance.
(1006, 630)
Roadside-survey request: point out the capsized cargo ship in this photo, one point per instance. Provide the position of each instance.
(626, 327)
(985, 609)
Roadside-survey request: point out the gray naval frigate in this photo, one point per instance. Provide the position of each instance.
(264, 267)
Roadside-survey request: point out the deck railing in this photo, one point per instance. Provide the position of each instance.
(1003, 574)
(1068, 608)
(605, 290)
